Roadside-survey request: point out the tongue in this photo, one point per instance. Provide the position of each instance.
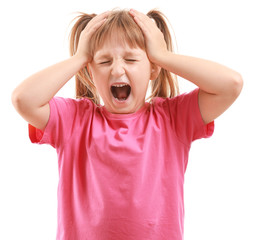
(121, 92)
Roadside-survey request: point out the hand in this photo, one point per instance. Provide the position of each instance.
(154, 39)
(83, 44)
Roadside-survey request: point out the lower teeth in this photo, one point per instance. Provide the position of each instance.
(122, 92)
(122, 99)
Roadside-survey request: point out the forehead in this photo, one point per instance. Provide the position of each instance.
(116, 32)
(113, 47)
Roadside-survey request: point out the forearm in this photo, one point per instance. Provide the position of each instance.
(38, 89)
(209, 76)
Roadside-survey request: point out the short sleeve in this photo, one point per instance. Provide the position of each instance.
(65, 114)
(186, 119)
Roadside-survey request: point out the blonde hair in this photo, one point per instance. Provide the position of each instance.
(120, 24)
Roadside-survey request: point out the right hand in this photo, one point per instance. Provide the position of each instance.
(89, 30)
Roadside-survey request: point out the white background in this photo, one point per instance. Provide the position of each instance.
(219, 178)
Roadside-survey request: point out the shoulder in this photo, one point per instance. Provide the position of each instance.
(71, 103)
(183, 100)
(71, 110)
(184, 116)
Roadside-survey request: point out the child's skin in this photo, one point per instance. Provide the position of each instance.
(117, 63)
(31, 98)
(219, 85)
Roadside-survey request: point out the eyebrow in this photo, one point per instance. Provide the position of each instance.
(107, 55)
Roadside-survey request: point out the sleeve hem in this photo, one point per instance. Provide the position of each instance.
(207, 128)
(41, 136)
(35, 134)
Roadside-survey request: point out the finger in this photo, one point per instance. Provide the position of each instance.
(95, 26)
(140, 15)
(96, 22)
(141, 20)
(100, 16)
(147, 21)
(140, 24)
(134, 12)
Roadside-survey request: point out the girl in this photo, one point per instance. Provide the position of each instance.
(122, 165)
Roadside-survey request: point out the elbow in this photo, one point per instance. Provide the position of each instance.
(17, 100)
(237, 85)
(232, 86)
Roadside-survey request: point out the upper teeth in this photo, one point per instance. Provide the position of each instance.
(120, 85)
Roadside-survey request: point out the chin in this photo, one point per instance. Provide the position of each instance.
(123, 109)
(120, 111)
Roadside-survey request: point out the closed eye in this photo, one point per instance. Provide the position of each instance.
(131, 60)
(127, 60)
(105, 62)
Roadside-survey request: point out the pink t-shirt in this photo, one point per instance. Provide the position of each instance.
(121, 176)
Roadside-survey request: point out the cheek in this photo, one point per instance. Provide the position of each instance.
(98, 76)
(101, 83)
(94, 71)
(141, 83)
(144, 74)
(145, 67)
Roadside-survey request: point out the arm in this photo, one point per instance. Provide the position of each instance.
(219, 85)
(31, 98)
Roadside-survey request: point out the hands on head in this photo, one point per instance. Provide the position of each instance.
(154, 39)
(83, 44)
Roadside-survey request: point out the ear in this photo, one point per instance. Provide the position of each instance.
(155, 70)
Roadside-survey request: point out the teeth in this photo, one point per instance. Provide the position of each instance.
(123, 99)
(120, 85)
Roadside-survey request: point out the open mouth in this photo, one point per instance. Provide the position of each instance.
(121, 91)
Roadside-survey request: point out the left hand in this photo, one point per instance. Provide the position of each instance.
(154, 39)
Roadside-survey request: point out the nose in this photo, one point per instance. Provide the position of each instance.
(118, 68)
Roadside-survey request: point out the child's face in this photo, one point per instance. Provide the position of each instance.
(114, 64)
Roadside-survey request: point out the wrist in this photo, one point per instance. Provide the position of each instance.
(164, 59)
(81, 61)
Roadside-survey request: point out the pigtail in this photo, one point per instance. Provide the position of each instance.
(166, 84)
(84, 84)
